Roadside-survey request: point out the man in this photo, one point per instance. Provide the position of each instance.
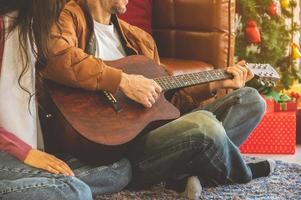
(199, 146)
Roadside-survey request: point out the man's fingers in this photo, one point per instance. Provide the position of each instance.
(250, 75)
(234, 72)
(158, 88)
(244, 71)
(155, 95)
(242, 63)
(151, 99)
(146, 102)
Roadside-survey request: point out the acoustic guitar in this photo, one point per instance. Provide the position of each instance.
(96, 126)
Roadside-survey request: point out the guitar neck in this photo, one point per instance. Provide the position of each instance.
(185, 80)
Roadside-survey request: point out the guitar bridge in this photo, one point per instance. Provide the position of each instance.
(111, 100)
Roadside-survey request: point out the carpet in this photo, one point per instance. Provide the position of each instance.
(283, 184)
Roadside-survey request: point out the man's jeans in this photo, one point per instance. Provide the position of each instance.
(19, 181)
(203, 143)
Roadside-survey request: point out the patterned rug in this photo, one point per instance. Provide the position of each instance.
(283, 184)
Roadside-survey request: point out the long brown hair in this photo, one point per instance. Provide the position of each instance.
(34, 20)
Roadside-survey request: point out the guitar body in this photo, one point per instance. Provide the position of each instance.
(85, 125)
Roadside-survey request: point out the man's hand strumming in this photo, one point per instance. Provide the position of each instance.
(140, 89)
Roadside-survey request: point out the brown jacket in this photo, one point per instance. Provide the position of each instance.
(69, 64)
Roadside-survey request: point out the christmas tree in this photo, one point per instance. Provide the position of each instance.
(264, 34)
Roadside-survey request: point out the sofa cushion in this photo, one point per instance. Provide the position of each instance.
(139, 13)
(1, 40)
(179, 66)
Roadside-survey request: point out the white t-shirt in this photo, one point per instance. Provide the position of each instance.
(14, 110)
(108, 44)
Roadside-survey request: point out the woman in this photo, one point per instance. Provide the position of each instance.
(25, 171)
(197, 146)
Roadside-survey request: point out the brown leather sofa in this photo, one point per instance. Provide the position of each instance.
(193, 35)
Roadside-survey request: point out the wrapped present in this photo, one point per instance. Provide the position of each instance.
(286, 103)
(299, 126)
(297, 98)
(286, 106)
(296, 88)
(276, 134)
(270, 104)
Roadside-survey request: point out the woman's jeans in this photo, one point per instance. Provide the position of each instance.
(19, 181)
(203, 143)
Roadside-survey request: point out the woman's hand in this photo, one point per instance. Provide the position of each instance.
(45, 161)
(140, 89)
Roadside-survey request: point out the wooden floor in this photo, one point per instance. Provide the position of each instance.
(296, 158)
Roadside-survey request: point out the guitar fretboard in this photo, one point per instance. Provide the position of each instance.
(185, 80)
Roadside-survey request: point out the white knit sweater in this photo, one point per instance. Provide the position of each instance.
(14, 110)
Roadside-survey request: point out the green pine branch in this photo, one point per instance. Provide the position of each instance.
(276, 38)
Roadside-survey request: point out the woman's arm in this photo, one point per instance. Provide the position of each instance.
(32, 157)
(13, 145)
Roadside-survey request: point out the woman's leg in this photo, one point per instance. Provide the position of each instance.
(19, 181)
(195, 144)
(102, 179)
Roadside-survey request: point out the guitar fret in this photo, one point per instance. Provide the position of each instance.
(180, 78)
(195, 78)
(192, 81)
(187, 81)
(172, 82)
(199, 77)
(209, 77)
(169, 84)
(218, 74)
(177, 83)
(213, 75)
(206, 76)
(161, 82)
(183, 80)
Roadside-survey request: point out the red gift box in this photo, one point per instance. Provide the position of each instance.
(299, 127)
(276, 134)
(288, 106)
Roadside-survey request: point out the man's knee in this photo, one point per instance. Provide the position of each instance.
(208, 127)
(74, 189)
(78, 190)
(69, 188)
(252, 95)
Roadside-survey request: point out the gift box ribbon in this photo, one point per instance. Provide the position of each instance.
(283, 106)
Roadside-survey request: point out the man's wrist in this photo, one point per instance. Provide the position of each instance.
(123, 81)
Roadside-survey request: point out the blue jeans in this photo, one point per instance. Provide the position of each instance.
(19, 181)
(203, 143)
